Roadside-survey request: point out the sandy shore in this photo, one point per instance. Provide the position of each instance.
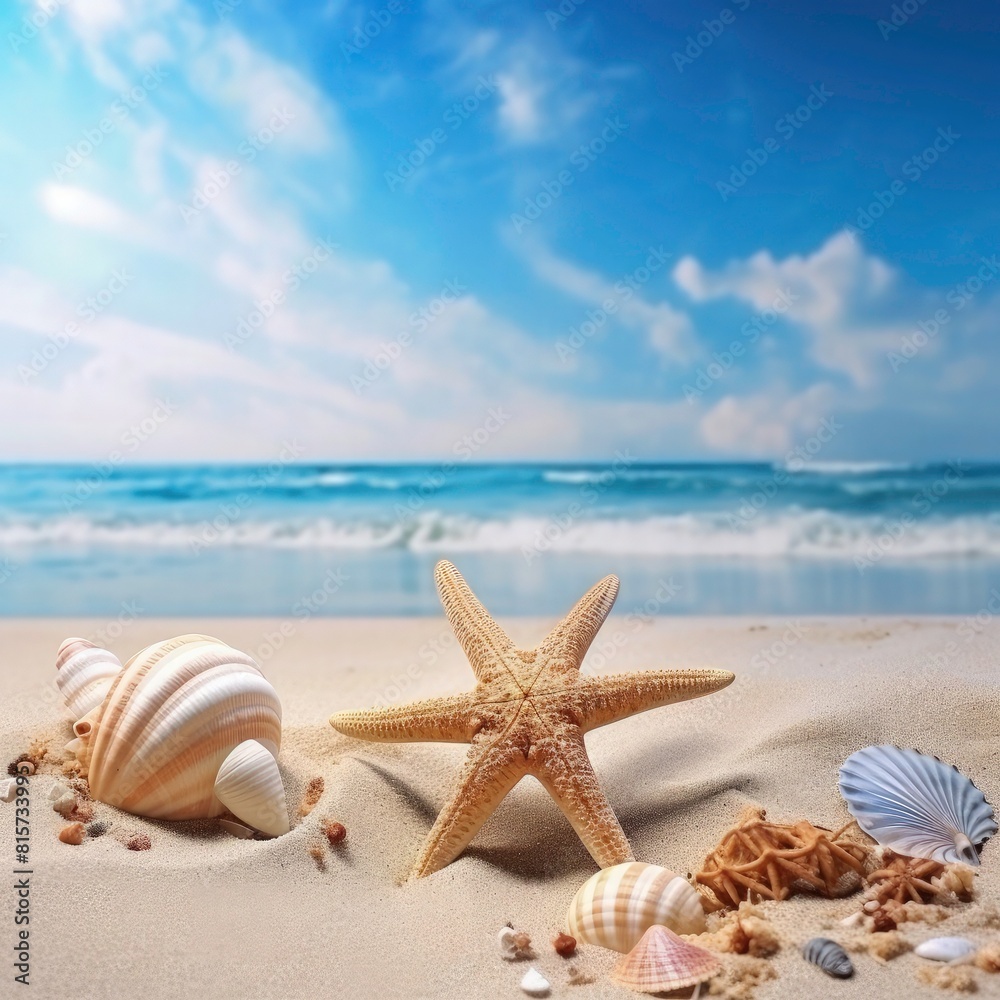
(202, 914)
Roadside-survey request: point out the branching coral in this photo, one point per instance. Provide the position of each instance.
(761, 860)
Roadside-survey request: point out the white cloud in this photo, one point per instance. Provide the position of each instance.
(668, 330)
(849, 304)
(765, 424)
(80, 207)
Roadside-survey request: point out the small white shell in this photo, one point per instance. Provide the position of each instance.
(249, 786)
(829, 956)
(615, 907)
(916, 805)
(663, 962)
(84, 672)
(535, 984)
(945, 949)
(8, 790)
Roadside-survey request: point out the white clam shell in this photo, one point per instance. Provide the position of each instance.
(916, 804)
(534, 983)
(171, 717)
(249, 786)
(615, 907)
(84, 672)
(945, 949)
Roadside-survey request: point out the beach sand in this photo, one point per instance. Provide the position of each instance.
(203, 914)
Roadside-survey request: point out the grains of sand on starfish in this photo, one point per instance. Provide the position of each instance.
(761, 860)
(527, 715)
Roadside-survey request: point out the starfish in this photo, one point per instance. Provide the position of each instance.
(527, 716)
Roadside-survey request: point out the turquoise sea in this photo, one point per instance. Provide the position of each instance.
(288, 539)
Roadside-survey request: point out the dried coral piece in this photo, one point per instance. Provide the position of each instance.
(883, 947)
(72, 834)
(949, 977)
(762, 860)
(514, 944)
(312, 795)
(739, 980)
(903, 879)
(988, 958)
(745, 931)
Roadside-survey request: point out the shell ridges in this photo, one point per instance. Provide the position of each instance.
(616, 906)
(171, 716)
(916, 804)
(662, 962)
(829, 956)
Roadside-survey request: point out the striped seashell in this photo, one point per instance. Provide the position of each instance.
(173, 717)
(829, 956)
(615, 907)
(662, 962)
(916, 804)
(84, 672)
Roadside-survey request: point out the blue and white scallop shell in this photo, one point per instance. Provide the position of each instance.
(916, 805)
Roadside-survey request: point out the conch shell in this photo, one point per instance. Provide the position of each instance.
(188, 728)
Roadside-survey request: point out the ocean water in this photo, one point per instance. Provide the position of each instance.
(297, 540)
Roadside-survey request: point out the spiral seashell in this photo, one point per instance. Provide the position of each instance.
(615, 907)
(945, 949)
(829, 956)
(174, 714)
(916, 804)
(84, 673)
(662, 962)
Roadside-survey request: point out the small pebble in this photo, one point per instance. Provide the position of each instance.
(65, 804)
(98, 828)
(139, 842)
(564, 944)
(72, 834)
(8, 790)
(335, 832)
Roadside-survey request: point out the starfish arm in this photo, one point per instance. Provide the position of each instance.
(438, 720)
(572, 637)
(479, 635)
(562, 766)
(490, 772)
(607, 699)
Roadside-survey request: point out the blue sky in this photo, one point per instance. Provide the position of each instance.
(363, 229)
